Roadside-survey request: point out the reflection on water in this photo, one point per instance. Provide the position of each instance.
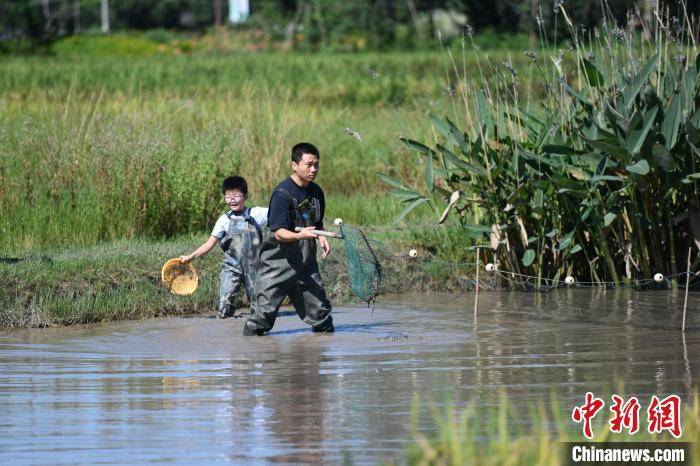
(195, 391)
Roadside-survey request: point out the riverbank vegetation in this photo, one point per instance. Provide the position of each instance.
(597, 178)
(121, 279)
(577, 159)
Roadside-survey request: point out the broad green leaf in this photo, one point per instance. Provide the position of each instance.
(575, 249)
(440, 125)
(613, 149)
(538, 201)
(639, 168)
(615, 117)
(460, 137)
(390, 180)
(638, 134)
(484, 113)
(692, 132)
(528, 257)
(595, 77)
(633, 88)
(533, 124)
(565, 241)
(662, 157)
(417, 146)
(429, 175)
(580, 97)
(450, 131)
(538, 159)
(406, 194)
(689, 179)
(669, 127)
(471, 168)
(688, 90)
(609, 218)
(410, 208)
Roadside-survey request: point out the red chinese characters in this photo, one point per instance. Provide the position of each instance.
(587, 412)
(625, 415)
(662, 415)
(665, 415)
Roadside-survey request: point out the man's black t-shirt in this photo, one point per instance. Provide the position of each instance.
(281, 213)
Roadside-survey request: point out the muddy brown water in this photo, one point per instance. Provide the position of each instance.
(194, 391)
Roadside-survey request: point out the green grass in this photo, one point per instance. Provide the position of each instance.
(121, 280)
(96, 150)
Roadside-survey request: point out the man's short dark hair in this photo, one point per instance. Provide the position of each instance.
(302, 148)
(235, 182)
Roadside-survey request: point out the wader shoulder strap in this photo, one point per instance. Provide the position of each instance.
(249, 218)
(289, 196)
(295, 204)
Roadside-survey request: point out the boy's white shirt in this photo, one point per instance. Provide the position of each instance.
(259, 214)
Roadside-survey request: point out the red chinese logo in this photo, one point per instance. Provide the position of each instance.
(665, 415)
(662, 415)
(587, 412)
(625, 415)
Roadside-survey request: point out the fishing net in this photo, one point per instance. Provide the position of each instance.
(363, 267)
(179, 278)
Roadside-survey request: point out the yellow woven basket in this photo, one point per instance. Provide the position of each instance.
(179, 278)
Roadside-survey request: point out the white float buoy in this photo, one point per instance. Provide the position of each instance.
(569, 280)
(338, 221)
(658, 278)
(412, 253)
(490, 267)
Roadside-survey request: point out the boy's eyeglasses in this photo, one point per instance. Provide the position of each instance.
(233, 198)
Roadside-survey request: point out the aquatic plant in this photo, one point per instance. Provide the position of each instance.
(586, 168)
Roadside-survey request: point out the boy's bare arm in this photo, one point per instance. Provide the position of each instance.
(202, 250)
(285, 236)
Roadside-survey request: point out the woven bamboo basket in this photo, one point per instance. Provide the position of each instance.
(179, 278)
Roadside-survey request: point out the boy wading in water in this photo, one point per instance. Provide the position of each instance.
(288, 265)
(239, 233)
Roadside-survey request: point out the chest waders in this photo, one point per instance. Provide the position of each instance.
(290, 269)
(241, 245)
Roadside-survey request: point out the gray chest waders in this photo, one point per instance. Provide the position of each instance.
(290, 269)
(241, 245)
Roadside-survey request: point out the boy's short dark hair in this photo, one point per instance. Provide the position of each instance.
(235, 182)
(302, 148)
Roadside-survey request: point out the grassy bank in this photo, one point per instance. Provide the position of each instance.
(121, 280)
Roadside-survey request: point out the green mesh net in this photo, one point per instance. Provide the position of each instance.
(363, 267)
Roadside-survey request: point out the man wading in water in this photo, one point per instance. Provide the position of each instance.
(288, 265)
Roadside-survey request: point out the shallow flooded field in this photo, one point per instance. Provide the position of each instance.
(194, 391)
